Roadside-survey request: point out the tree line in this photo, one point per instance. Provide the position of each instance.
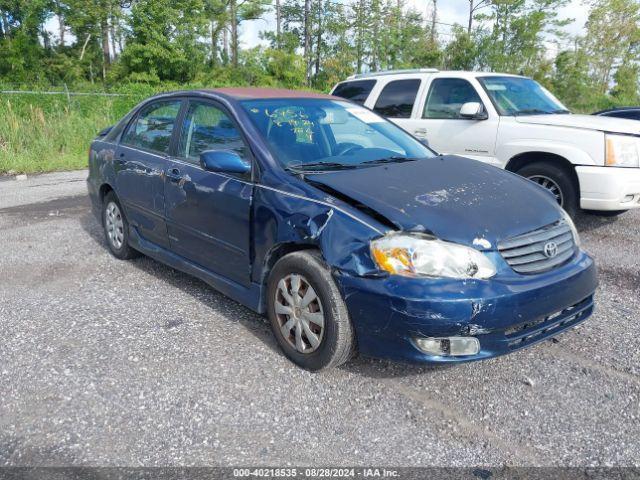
(315, 43)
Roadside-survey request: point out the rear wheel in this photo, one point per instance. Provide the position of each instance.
(307, 314)
(557, 180)
(116, 228)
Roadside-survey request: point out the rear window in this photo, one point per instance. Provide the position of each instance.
(355, 91)
(397, 98)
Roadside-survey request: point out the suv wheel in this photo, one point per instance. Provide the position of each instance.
(116, 228)
(307, 314)
(557, 180)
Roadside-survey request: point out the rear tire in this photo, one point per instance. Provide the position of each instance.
(307, 313)
(560, 182)
(116, 228)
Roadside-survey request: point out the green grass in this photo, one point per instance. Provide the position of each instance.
(43, 133)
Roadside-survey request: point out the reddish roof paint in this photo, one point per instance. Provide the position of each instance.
(256, 93)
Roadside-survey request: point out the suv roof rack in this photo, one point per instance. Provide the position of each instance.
(393, 72)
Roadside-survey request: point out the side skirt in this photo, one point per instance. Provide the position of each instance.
(250, 297)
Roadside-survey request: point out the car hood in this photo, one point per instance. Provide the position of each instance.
(588, 122)
(454, 198)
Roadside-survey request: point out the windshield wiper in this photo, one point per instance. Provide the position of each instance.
(531, 111)
(298, 167)
(394, 159)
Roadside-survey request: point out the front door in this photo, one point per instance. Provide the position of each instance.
(208, 213)
(140, 162)
(449, 133)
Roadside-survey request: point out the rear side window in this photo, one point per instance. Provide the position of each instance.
(446, 97)
(152, 128)
(397, 98)
(355, 91)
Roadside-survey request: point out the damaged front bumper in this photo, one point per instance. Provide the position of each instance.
(507, 312)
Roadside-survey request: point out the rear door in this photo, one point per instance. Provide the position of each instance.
(208, 213)
(447, 132)
(140, 162)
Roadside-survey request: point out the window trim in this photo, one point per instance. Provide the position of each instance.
(426, 100)
(386, 84)
(134, 119)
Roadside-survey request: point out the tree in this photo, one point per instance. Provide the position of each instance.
(613, 37)
(163, 44)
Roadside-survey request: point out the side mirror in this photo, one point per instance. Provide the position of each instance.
(104, 132)
(473, 111)
(226, 161)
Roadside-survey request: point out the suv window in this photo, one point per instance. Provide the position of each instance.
(397, 98)
(446, 97)
(207, 127)
(152, 128)
(355, 91)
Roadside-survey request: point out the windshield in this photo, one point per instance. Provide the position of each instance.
(317, 134)
(520, 96)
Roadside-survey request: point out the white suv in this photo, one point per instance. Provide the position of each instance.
(512, 122)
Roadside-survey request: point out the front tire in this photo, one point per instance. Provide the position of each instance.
(307, 313)
(558, 180)
(116, 228)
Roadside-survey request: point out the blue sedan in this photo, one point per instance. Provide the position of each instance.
(350, 234)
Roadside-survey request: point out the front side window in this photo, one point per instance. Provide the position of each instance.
(446, 97)
(152, 128)
(328, 134)
(520, 96)
(207, 127)
(357, 91)
(397, 98)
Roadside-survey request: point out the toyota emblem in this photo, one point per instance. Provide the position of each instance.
(550, 249)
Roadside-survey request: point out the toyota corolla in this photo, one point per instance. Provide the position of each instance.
(350, 234)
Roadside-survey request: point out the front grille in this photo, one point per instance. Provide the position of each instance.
(526, 253)
(533, 330)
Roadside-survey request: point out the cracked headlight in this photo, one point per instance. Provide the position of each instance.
(622, 151)
(420, 256)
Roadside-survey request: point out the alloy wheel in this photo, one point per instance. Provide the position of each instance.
(114, 225)
(299, 313)
(550, 185)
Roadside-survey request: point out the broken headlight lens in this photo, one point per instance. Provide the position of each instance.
(420, 256)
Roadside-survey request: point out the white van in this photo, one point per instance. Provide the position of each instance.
(512, 122)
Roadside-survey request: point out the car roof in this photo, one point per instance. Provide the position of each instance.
(254, 93)
(423, 72)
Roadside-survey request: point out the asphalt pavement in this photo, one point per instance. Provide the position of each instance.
(105, 362)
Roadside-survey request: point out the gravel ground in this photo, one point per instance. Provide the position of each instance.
(104, 362)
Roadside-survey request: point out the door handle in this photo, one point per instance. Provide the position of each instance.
(173, 174)
(420, 131)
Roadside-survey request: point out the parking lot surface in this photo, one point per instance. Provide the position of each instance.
(105, 362)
